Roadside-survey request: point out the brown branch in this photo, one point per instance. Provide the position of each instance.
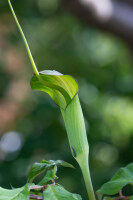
(122, 197)
(34, 187)
(113, 16)
(33, 196)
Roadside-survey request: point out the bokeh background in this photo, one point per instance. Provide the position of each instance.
(31, 127)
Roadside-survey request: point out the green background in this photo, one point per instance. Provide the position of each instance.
(31, 126)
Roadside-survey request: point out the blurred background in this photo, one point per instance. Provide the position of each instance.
(92, 42)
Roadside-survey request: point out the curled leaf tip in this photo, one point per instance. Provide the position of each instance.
(61, 88)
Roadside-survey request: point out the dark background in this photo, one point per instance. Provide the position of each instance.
(31, 127)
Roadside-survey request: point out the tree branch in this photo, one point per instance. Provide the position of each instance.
(113, 16)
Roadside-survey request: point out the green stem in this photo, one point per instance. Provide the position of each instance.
(87, 178)
(25, 41)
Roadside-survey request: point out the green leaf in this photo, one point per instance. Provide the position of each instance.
(15, 194)
(122, 177)
(45, 161)
(49, 176)
(61, 163)
(38, 168)
(131, 198)
(61, 88)
(59, 193)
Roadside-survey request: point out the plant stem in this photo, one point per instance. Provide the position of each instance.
(24, 39)
(87, 178)
(33, 196)
(122, 196)
(34, 187)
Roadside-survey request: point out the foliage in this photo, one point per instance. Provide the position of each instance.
(38, 168)
(123, 177)
(59, 193)
(15, 194)
(44, 189)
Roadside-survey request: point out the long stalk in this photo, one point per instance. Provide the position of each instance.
(87, 178)
(24, 39)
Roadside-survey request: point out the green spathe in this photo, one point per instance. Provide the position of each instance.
(63, 90)
(75, 126)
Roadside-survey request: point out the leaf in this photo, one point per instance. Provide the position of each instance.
(49, 176)
(62, 163)
(15, 194)
(122, 177)
(45, 161)
(61, 88)
(131, 198)
(59, 193)
(37, 168)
